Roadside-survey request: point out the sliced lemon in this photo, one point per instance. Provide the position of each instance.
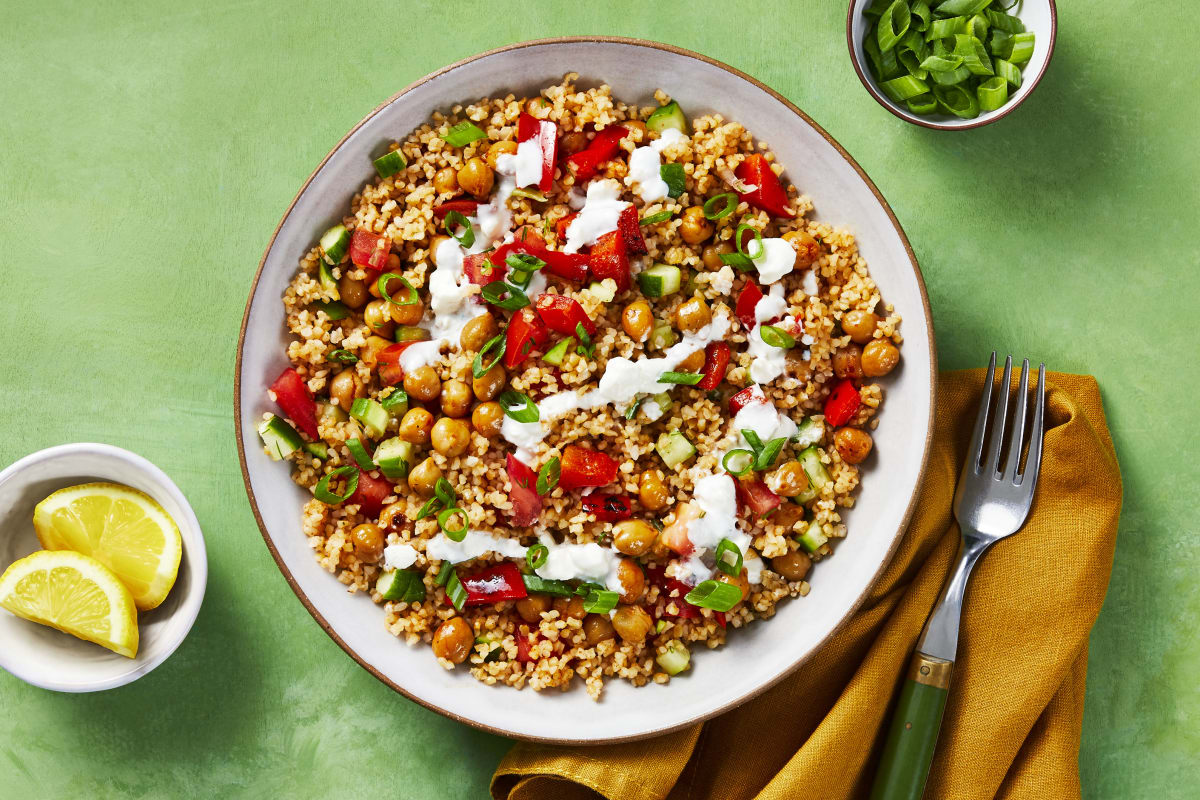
(121, 528)
(74, 593)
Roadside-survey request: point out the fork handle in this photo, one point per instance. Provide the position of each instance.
(904, 766)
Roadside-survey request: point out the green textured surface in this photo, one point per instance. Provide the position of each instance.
(149, 150)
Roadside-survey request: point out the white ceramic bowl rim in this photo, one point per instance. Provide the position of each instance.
(526, 734)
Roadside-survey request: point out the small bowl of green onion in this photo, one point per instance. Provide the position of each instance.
(951, 64)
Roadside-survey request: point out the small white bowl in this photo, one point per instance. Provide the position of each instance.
(53, 660)
(1039, 17)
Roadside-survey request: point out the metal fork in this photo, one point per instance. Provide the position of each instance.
(991, 502)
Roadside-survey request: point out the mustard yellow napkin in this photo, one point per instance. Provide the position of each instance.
(1012, 723)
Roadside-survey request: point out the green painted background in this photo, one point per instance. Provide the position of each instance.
(147, 151)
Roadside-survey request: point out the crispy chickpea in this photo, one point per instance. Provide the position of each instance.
(847, 362)
(598, 628)
(634, 537)
(652, 491)
(394, 518)
(378, 318)
(692, 363)
(416, 425)
(490, 385)
(637, 319)
(692, 315)
(860, 325)
(408, 314)
(423, 384)
(573, 142)
(852, 444)
(344, 387)
(632, 579)
(694, 228)
(450, 437)
(487, 418)
(879, 358)
(787, 515)
(570, 607)
(424, 477)
(807, 248)
(792, 565)
(370, 352)
(476, 177)
(392, 265)
(478, 332)
(352, 291)
(741, 581)
(532, 607)
(711, 256)
(445, 180)
(505, 148)
(368, 541)
(456, 398)
(632, 623)
(788, 480)
(453, 640)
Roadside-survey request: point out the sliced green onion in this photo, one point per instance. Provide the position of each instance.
(390, 163)
(631, 412)
(892, 25)
(323, 493)
(911, 51)
(455, 593)
(340, 356)
(720, 206)
(1005, 22)
(654, 219)
(443, 521)
(334, 309)
(904, 87)
(359, 453)
(443, 490)
(921, 16)
(978, 26)
(537, 555)
(715, 595)
(766, 459)
(497, 343)
(463, 134)
(871, 48)
(455, 219)
(519, 407)
(587, 587)
(1009, 71)
(992, 93)
(430, 507)
(382, 285)
(957, 100)
(548, 475)
(536, 585)
(876, 8)
(681, 378)
(951, 78)
(738, 462)
(944, 28)
(974, 54)
(942, 63)
(529, 194)
(585, 348)
(675, 178)
(504, 295)
(745, 251)
(922, 104)
(601, 601)
(444, 574)
(733, 567)
(1021, 48)
(776, 336)
(953, 8)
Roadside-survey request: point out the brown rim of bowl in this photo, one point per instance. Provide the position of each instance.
(932, 379)
(938, 126)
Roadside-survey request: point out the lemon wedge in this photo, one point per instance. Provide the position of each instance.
(121, 528)
(74, 593)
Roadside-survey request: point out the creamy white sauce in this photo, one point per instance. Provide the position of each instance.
(564, 562)
(764, 419)
(809, 283)
(716, 497)
(767, 362)
(576, 198)
(526, 165)
(399, 556)
(776, 259)
(598, 216)
(645, 167)
(473, 545)
(652, 409)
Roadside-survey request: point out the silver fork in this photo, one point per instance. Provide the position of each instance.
(991, 502)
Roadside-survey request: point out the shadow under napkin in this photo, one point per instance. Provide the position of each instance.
(1012, 722)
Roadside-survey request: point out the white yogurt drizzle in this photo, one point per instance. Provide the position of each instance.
(564, 562)
(598, 216)
(645, 167)
(776, 259)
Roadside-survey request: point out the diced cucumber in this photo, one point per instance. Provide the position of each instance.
(395, 458)
(334, 309)
(396, 403)
(327, 281)
(661, 626)
(659, 280)
(404, 585)
(674, 658)
(317, 450)
(813, 538)
(674, 448)
(334, 243)
(546, 586)
(603, 291)
(662, 336)
(808, 433)
(668, 116)
(807, 496)
(280, 438)
(359, 453)
(390, 163)
(372, 416)
(411, 333)
(656, 406)
(330, 413)
(810, 460)
(556, 354)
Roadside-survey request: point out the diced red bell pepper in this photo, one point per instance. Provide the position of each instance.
(719, 616)
(608, 507)
(768, 193)
(571, 266)
(546, 132)
(581, 467)
(493, 266)
(560, 227)
(563, 314)
(370, 494)
(293, 396)
(746, 303)
(525, 643)
(685, 610)
(586, 163)
(716, 361)
(480, 270)
(748, 396)
(631, 232)
(522, 492)
(609, 259)
(467, 208)
(525, 332)
(387, 363)
(842, 403)
(368, 250)
(494, 584)
(754, 495)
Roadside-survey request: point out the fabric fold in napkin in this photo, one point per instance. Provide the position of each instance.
(1012, 722)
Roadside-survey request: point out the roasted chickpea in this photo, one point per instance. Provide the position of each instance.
(652, 491)
(847, 362)
(573, 143)
(369, 355)
(637, 319)
(345, 387)
(476, 177)
(378, 318)
(792, 565)
(879, 358)
(632, 579)
(491, 384)
(423, 384)
(409, 314)
(693, 227)
(787, 515)
(692, 363)
(632, 623)
(741, 581)
(454, 640)
(711, 256)
(392, 265)
(692, 315)
(436, 242)
(394, 518)
(634, 537)
(450, 437)
(368, 541)
(505, 148)
(487, 418)
(807, 248)
(478, 332)
(424, 477)
(570, 607)
(352, 291)
(456, 398)
(852, 444)
(532, 607)
(416, 425)
(860, 325)
(788, 480)
(598, 628)
(445, 180)
(797, 365)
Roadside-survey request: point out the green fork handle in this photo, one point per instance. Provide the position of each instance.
(904, 766)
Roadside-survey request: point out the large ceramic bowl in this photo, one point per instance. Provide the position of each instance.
(755, 657)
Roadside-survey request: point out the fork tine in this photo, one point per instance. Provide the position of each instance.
(992, 462)
(1018, 431)
(979, 435)
(1034, 462)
